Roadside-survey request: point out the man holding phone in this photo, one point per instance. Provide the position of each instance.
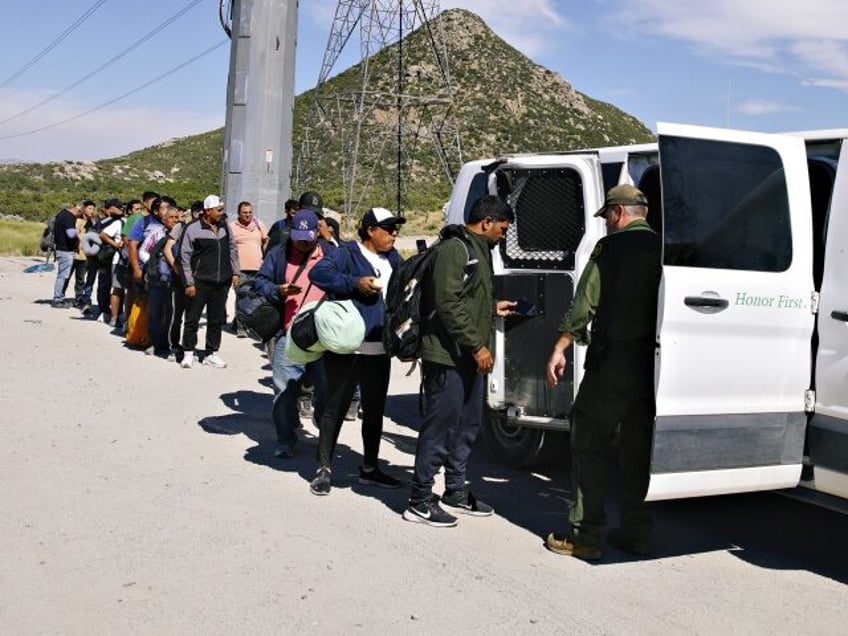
(283, 279)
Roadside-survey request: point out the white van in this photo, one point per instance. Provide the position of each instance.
(752, 357)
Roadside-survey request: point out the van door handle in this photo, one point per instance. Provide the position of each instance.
(839, 315)
(705, 301)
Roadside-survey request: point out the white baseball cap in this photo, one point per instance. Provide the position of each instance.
(212, 201)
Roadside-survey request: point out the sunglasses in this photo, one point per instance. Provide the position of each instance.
(391, 229)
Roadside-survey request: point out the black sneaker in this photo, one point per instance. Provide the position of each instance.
(377, 477)
(321, 484)
(430, 513)
(285, 451)
(464, 501)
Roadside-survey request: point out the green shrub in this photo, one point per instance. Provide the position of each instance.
(20, 238)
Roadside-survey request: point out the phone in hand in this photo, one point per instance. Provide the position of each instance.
(524, 307)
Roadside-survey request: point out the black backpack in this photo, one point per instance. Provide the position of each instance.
(151, 267)
(405, 311)
(48, 240)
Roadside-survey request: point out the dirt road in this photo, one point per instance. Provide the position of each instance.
(141, 498)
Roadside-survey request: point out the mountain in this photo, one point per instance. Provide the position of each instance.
(501, 102)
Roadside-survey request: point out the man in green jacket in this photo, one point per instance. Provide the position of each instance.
(456, 354)
(617, 295)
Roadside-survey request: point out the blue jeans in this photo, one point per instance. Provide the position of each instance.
(288, 377)
(64, 263)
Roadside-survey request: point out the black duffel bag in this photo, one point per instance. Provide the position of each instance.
(260, 317)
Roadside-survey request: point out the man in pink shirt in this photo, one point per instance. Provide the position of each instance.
(250, 237)
(283, 279)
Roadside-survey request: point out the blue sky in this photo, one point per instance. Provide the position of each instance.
(766, 65)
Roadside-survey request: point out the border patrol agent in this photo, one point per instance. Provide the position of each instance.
(617, 294)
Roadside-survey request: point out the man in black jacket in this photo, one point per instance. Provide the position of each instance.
(67, 241)
(210, 266)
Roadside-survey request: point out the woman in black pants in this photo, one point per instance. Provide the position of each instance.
(359, 271)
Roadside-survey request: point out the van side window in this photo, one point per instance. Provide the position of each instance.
(549, 218)
(725, 206)
(476, 190)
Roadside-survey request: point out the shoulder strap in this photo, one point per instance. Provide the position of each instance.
(302, 266)
(471, 262)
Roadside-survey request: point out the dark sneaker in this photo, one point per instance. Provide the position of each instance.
(352, 411)
(284, 451)
(321, 484)
(567, 548)
(464, 501)
(618, 539)
(429, 513)
(377, 477)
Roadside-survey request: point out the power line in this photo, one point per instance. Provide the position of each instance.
(87, 14)
(120, 97)
(107, 63)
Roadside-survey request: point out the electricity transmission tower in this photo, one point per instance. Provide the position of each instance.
(380, 121)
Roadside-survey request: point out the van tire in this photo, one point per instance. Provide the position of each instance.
(516, 445)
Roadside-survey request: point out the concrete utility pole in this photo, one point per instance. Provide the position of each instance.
(260, 106)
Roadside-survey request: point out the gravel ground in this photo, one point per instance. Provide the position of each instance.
(140, 498)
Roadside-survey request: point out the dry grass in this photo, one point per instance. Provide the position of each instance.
(20, 238)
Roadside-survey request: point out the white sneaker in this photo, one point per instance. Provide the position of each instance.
(188, 360)
(101, 318)
(214, 360)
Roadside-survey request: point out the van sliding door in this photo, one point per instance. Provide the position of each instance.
(735, 321)
(828, 435)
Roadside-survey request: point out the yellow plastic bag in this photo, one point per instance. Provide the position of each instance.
(137, 335)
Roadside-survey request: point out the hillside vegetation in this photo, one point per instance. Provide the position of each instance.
(501, 102)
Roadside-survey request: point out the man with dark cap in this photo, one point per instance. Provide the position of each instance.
(283, 279)
(279, 232)
(617, 294)
(457, 345)
(310, 200)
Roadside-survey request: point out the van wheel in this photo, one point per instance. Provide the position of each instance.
(517, 445)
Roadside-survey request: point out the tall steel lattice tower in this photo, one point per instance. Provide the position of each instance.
(384, 118)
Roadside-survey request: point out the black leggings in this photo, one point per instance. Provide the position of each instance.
(343, 373)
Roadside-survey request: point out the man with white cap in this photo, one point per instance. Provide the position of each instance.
(210, 266)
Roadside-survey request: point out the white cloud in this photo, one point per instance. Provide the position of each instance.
(106, 133)
(527, 24)
(762, 107)
(807, 39)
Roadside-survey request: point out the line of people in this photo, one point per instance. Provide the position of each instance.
(158, 268)
(187, 264)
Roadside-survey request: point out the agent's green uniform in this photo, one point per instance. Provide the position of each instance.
(617, 294)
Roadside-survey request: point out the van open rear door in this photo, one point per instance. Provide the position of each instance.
(734, 321)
